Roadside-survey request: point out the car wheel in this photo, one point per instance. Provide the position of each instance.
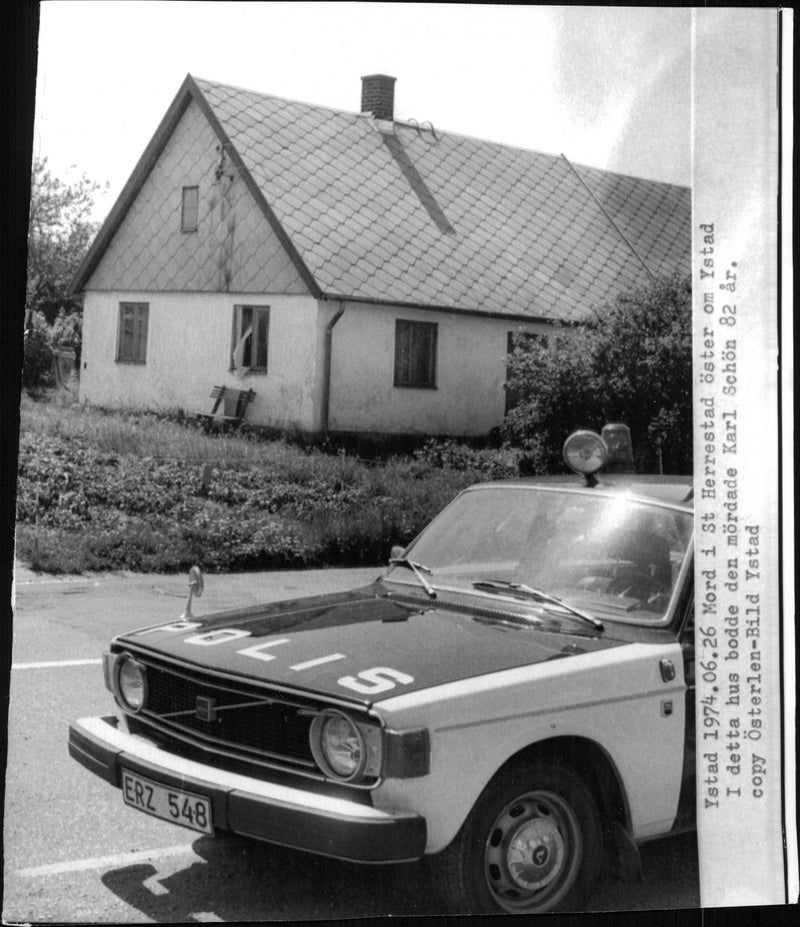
(532, 843)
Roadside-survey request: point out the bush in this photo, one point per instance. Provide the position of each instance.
(38, 362)
(630, 363)
(482, 463)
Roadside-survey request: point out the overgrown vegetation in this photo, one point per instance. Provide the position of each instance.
(109, 490)
(631, 363)
(60, 229)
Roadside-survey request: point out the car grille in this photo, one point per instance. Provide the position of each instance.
(233, 719)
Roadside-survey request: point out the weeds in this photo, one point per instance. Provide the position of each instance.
(139, 491)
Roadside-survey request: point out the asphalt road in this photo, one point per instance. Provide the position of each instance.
(74, 852)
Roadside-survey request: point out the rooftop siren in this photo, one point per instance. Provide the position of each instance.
(620, 448)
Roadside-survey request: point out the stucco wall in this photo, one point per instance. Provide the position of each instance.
(471, 370)
(188, 352)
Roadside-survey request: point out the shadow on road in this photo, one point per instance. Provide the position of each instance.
(243, 880)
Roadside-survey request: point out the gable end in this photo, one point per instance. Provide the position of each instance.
(104, 242)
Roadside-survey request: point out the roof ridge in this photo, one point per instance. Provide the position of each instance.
(417, 126)
(275, 96)
(650, 180)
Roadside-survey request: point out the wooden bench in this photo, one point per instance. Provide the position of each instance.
(229, 407)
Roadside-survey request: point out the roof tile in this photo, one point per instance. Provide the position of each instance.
(524, 236)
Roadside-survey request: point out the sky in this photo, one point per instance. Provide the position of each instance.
(608, 87)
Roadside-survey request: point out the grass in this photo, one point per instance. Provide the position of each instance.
(101, 490)
(144, 434)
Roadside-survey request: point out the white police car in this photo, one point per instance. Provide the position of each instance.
(512, 698)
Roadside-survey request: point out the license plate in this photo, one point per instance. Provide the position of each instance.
(185, 808)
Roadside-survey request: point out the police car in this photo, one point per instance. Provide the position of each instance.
(512, 699)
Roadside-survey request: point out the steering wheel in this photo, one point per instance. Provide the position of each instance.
(632, 584)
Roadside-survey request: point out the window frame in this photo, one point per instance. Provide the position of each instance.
(405, 371)
(237, 330)
(186, 209)
(138, 336)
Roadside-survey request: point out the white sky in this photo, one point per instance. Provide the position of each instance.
(609, 87)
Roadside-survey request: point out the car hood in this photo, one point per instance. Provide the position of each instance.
(365, 644)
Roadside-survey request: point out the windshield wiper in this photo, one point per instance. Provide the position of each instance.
(418, 569)
(528, 592)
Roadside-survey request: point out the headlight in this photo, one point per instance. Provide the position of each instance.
(131, 683)
(343, 748)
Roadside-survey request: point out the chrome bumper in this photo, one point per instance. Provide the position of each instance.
(254, 807)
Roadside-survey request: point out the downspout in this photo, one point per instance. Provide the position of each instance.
(326, 377)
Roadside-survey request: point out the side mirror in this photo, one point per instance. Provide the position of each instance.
(196, 584)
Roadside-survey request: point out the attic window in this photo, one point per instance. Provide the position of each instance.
(190, 202)
(415, 354)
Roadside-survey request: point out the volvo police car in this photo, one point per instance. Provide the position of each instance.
(512, 699)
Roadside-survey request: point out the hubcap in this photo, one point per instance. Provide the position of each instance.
(533, 852)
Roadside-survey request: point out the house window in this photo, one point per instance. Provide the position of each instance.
(250, 338)
(189, 208)
(415, 354)
(132, 341)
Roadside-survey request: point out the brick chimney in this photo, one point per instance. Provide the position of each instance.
(377, 96)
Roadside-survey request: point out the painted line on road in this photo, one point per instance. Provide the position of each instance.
(55, 582)
(55, 663)
(101, 862)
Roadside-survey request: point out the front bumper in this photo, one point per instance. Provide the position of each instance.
(254, 807)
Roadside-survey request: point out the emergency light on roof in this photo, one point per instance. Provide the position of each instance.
(620, 448)
(585, 452)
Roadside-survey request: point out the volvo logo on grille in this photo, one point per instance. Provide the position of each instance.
(206, 708)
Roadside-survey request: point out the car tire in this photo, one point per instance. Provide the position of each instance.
(532, 843)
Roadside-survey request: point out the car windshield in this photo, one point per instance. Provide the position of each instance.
(608, 556)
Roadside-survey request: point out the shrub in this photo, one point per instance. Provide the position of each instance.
(38, 360)
(483, 463)
(630, 363)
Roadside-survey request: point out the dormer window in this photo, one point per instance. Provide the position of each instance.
(190, 202)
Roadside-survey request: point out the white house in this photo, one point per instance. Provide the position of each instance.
(359, 273)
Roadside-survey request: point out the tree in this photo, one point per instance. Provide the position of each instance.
(631, 362)
(60, 229)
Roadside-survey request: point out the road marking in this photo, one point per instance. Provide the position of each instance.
(55, 663)
(154, 885)
(101, 862)
(55, 582)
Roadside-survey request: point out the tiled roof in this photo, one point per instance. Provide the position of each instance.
(436, 219)
(447, 220)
